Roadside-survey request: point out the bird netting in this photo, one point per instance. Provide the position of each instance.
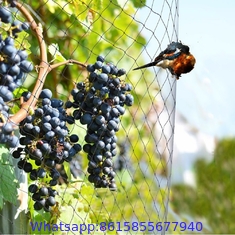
(86, 142)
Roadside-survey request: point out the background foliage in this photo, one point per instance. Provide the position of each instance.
(82, 30)
(213, 199)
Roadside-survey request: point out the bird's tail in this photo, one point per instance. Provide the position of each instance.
(146, 65)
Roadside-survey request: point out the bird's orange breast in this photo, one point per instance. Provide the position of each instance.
(184, 63)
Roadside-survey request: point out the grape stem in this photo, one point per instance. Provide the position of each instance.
(53, 66)
(43, 68)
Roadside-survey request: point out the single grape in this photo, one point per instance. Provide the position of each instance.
(41, 173)
(98, 64)
(100, 58)
(90, 68)
(5, 15)
(33, 188)
(36, 197)
(7, 128)
(45, 93)
(74, 138)
(43, 191)
(50, 201)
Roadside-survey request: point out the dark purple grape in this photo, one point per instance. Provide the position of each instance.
(52, 192)
(7, 128)
(108, 162)
(86, 118)
(112, 125)
(23, 54)
(45, 148)
(53, 182)
(50, 163)
(54, 174)
(129, 100)
(26, 66)
(14, 59)
(105, 108)
(100, 58)
(36, 130)
(26, 95)
(90, 68)
(33, 188)
(21, 163)
(33, 174)
(36, 197)
(43, 191)
(77, 147)
(97, 85)
(36, 154)
(41, 173)
(27, 167)
(50, 201)
(49, 135)
(5, 94)
(55, 103)
(25, 26)
(113, 187)
(37, 206)
(72, 152)
(121, 72)
(91, 138)
(93, 77)
(14, 70)
(98, 64)
(45, 93)
(74, 138)
(106, 69)
(102, 78)
(3, 68)
(100, 144)
(46, 102)
(5, 15)
(9, 50)
(55, 121)
(16, 154)
(98, 158)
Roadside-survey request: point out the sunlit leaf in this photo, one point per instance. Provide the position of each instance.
(54, 51)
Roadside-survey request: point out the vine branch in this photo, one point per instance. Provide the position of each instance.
(43, 68)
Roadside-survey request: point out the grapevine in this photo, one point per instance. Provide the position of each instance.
(45, 141)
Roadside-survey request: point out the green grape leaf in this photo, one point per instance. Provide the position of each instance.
(54, 51)
(21, 43)
(9, 184)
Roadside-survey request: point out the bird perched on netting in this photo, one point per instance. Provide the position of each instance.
(176, 58)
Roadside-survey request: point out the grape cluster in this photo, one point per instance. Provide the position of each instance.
(13, 69)
(99, 104)
(6, 129)
(46, 142)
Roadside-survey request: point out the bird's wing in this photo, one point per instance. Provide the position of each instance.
(168, 54)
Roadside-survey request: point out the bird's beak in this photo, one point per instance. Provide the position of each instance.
(146, 65)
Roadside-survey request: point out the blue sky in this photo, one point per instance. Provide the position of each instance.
(208, 28)
(204, 96)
